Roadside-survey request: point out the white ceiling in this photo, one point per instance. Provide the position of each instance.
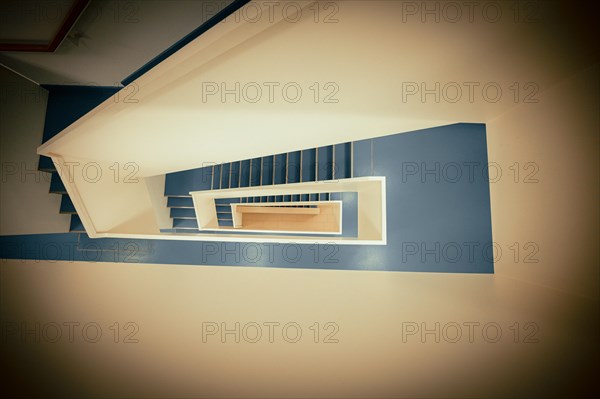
(111, 39)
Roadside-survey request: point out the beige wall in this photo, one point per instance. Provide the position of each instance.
(559, 212)
(27, 207)
(169, 304)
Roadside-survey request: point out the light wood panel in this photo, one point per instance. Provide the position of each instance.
(278, 210)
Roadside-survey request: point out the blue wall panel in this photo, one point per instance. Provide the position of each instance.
(438, 219)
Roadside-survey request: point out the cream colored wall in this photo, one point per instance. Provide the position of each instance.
(559, 212)
(26, 206)
(169, 304)
(110, 198)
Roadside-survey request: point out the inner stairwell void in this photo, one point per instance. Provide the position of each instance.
(328, 163)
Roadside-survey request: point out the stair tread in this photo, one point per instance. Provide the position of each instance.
(342, 161)
(66, 205)
(362, 158)
(183, 213)
(76, 226)
(56, 184)
(325, 163)
(293, 167)
(185, 223)
(177, 202)
(45, 164)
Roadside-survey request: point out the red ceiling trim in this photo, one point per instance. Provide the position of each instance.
(74, 13)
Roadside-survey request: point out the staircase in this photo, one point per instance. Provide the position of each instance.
(57, 187)
(66, 104)
(340, 161)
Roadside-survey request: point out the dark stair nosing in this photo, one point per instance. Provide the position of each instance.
(76, 226)
(342, 161)
(225, 175)
(293, 167)
(309, 159)
(45, 164)
(183, 213)
(66, 205)
(245, 173)
(180, 202)
(280, 169)
(324, 163)
(255, 172)
(362, 158)
(56, 184)
(216, 177)
(185, 224)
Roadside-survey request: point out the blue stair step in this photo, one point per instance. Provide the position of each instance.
(267, 170)
(225, 208)
(280, 168)
(342, 161)
(235, 174)
(66, 205)
(363, 164)
(225, 175)
(309, 165)
(76, 225)
(46, 165)
(216, 177)
(181, 183)
(225, 223)
(325, 163)
(183, 213)
(180, 202)
(245, 173)
(294, 163)
(225, 201)
(185, 224)
(56, 184)
(255, 172)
